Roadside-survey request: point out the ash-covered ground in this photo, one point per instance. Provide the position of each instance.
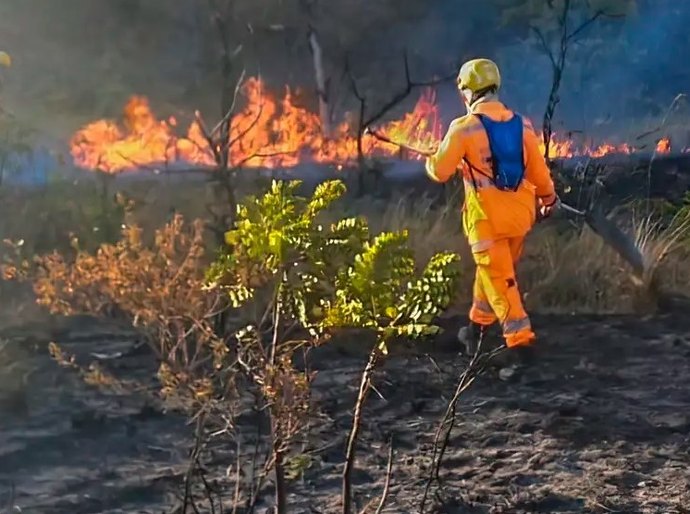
(601, 425)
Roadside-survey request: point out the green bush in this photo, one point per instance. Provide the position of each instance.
(319, 279)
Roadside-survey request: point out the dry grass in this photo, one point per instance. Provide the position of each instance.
(564, 268)
(572, 270)
(658, 240)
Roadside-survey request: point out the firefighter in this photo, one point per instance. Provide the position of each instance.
(507, 182)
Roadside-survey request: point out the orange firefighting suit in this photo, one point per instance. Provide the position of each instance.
(494, 221)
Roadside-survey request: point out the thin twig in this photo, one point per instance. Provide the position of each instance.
(238, 477)
(190, 472)
(389, 474)
(207, 487)
(584, 25)
(258, 155)
(231, 110)
(207, 136)
(545, 45)
(404, 93)
(475, 367)
(250, 127)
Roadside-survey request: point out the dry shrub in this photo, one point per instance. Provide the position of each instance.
(562, 270)
(158, 288)
(47, 219)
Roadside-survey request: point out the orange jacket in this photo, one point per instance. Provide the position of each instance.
(508, 213)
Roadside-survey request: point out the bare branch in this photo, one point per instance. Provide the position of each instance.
(364, 387)
(258, 155)
(584, 26)
(136, 164)
(361, 127)
(352, 80)
(207, 487)
(410, 85)
(545, 45)
(387, 483)
(250, 127)
(231, 110)
(238, 477)
(218, 18)
(207, 136)
(407, 67)
(672, 106)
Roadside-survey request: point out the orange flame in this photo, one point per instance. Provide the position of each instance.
(144, 141)
(266, 133)
(566, 148)
(271, 133)
(663, 146)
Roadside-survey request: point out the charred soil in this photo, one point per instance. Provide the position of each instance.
(602, 424)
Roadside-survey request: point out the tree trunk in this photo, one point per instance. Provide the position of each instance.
(321, 85)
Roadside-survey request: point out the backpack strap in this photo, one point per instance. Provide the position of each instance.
(472, 167)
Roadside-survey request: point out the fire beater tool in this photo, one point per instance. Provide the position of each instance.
(613, 236)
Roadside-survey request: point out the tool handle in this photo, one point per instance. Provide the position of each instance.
(572, 210)
(382, 137)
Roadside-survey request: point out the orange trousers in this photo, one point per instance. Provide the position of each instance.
(496, 296)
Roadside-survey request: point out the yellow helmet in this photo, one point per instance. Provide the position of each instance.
(5, 59)
(479, 74)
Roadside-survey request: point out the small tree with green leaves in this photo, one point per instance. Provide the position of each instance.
(313, 281)
(381, 291)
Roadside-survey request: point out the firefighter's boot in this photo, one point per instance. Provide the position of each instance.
(512, 362)
(469, 337)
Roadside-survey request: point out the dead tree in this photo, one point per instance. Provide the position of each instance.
(364, 122)
(219, 138)
(322, 83)
(224, 173)
(558, 59)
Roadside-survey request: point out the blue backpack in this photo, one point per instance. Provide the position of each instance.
(507, 156)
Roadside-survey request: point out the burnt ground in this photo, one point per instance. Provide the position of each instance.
(602, 425)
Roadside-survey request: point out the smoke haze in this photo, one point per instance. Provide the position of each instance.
(77, 60)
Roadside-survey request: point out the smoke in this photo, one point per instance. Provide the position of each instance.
(76, 60)
(621, 73)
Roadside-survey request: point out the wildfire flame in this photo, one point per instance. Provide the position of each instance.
(566, 148)
(266, 133)
(269, 133)
(663, 146)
